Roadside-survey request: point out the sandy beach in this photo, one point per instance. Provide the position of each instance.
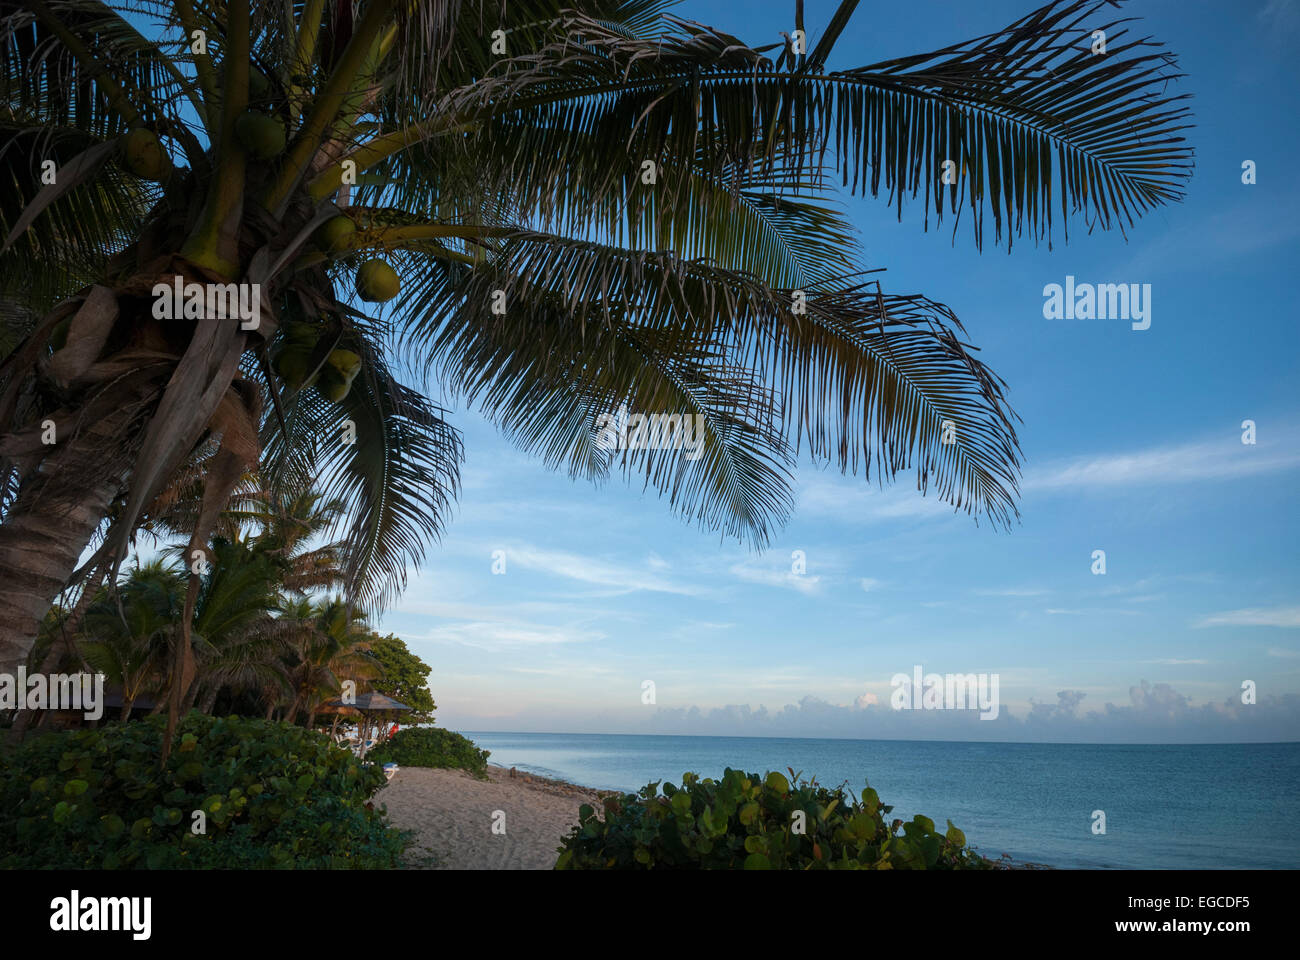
(452, 815)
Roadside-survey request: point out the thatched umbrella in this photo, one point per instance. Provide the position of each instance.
(369, 707)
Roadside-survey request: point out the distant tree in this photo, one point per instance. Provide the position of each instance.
(406, 677)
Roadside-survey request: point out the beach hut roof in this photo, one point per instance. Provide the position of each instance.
(364, 703)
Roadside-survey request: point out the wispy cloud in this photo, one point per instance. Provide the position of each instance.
(1253, 617)
(855, 499)
(769, 577)
(497, 635)
(851, 499)
(1219, 460)
(1063, 612)
(583, 568)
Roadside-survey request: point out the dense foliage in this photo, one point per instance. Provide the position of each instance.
(405, 677)
(272, 796)
(758, 823)
(430, 747)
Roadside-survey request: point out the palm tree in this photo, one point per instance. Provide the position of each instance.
(239, 642)
(589, 203)
(329, 647)
(128, 632)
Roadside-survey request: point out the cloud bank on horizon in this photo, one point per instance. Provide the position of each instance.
(1155, 713)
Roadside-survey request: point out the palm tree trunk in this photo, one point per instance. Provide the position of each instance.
(210, 699)
(188, 703)
(126, 709)
(41, 539)
(64, 495)
(62, 645)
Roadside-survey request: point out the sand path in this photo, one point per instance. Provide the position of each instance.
(451, 813)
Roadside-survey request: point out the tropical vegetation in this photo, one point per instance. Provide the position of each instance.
(245, 242)
(236, 793)
(752, 822)
(429, 747)
(546, 208)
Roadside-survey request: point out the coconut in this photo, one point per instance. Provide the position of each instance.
(377, 281)
(347, 363)
(262, 136)
(145, 156)
(336, 234)
(259, 88)
(332, 385)
(304, 333)
(292, 362)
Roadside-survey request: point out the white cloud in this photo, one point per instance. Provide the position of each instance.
(856, 499)
(496, 635)
(1219, 460)
(1061, 612)
(1253, 617)
(589, 569)
(768, 577)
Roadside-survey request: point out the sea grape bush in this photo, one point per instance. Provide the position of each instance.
(752, 822)
(431, 747)
(271, 795)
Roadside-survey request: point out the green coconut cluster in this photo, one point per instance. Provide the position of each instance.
(376, 280)
(292, 362)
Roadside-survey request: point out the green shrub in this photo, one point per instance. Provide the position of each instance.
(431, 747)
(273, 795)
(752, 822)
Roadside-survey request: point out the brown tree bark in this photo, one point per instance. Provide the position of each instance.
(41, 539)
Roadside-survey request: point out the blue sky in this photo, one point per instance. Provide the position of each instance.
(1132, 444)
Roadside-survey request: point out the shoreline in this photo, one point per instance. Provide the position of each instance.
(511, 820)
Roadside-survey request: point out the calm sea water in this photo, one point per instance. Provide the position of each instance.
(1167, 807)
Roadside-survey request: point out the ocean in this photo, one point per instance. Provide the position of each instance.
(1165, 806)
